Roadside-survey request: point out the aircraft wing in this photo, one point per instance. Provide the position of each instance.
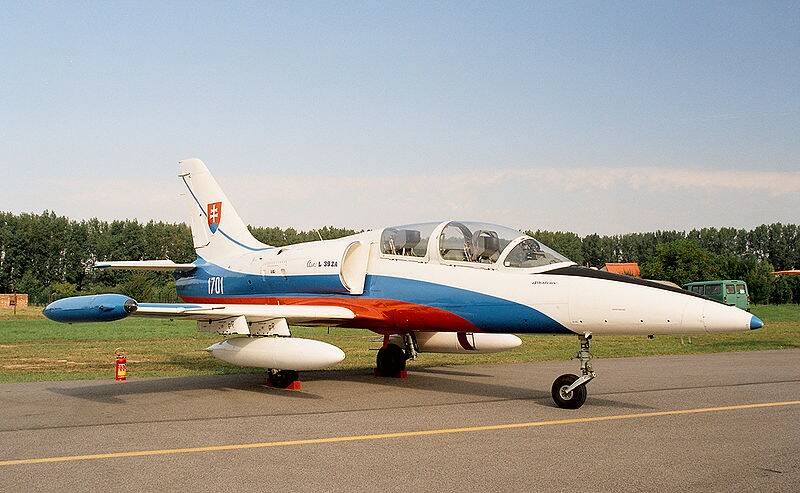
(253, 313)
(110, 307)
(155, 265)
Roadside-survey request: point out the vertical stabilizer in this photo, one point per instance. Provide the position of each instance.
(217, 229)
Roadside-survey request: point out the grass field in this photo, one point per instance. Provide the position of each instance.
(33, 348)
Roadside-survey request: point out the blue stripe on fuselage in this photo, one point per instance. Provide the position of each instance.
(195, 283)
(487, 313)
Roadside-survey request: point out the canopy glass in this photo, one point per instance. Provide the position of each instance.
(464, 241)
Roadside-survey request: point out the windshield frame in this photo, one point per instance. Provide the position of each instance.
(530, 270)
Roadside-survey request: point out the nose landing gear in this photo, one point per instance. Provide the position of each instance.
(569, 391)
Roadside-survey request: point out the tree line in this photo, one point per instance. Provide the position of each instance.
(50, 256)
(696, 255)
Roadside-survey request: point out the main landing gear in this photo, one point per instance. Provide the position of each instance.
(283, 379)
(392, 357)
(569, 391)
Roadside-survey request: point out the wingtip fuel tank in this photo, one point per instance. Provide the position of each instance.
(93, 308)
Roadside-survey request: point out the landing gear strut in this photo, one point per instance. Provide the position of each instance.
(392, 357)
(569, 391)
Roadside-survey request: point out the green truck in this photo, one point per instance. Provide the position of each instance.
(730, 292)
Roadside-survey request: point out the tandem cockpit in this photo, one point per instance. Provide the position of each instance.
(471, 244)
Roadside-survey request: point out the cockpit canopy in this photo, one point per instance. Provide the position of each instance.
(469, 242)
(410, 240)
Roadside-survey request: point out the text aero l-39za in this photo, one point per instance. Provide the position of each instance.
(452, 287)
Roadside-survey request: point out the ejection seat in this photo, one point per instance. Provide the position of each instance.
(485, 246)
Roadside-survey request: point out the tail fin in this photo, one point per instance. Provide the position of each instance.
(217, 230)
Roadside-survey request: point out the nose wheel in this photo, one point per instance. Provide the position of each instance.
(569, 391)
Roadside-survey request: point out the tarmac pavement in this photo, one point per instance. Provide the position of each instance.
(716, 422)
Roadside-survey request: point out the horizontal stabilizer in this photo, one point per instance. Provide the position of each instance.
(155, 265)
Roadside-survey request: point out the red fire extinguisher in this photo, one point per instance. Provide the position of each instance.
(121, 365)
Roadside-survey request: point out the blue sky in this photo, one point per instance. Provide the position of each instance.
(591, 117)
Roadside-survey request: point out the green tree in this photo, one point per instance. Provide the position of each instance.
(564, 242)
(60, 290)
(681, 261)
(592, 249)
(45, 254)
(140, 287)
(30, 284)
(794, 284)
(759, 281)
(781, 291)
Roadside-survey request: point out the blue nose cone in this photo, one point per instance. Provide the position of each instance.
(756, 323)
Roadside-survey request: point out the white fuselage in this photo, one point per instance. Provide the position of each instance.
(396, 293)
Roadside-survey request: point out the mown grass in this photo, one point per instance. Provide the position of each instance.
(33, 348)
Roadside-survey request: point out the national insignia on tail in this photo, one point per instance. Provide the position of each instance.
(214, 215)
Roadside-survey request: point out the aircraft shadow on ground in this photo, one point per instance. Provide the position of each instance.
(112, 393)
(427, 378)
(438, 370)
(433, 379)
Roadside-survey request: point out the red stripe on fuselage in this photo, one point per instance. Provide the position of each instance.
(378, 315)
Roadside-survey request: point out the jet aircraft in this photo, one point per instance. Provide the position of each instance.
(450, 287)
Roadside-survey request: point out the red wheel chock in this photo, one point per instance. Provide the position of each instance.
(400, 374)
(293, 385)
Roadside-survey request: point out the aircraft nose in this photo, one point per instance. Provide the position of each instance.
(719, 317)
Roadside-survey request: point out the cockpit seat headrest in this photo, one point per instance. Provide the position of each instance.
(406, 238)
(485, 244)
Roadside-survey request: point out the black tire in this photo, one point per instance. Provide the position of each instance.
(391, 360)
(282, 378)
(574, 399)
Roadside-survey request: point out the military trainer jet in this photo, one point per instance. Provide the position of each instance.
(450, 286)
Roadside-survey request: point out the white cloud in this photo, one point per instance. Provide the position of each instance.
(580, 199)
(772, 182)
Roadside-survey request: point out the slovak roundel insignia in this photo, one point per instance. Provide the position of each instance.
(214, 215)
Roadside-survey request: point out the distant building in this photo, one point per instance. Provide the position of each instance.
(9, 300)
(626, 268)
